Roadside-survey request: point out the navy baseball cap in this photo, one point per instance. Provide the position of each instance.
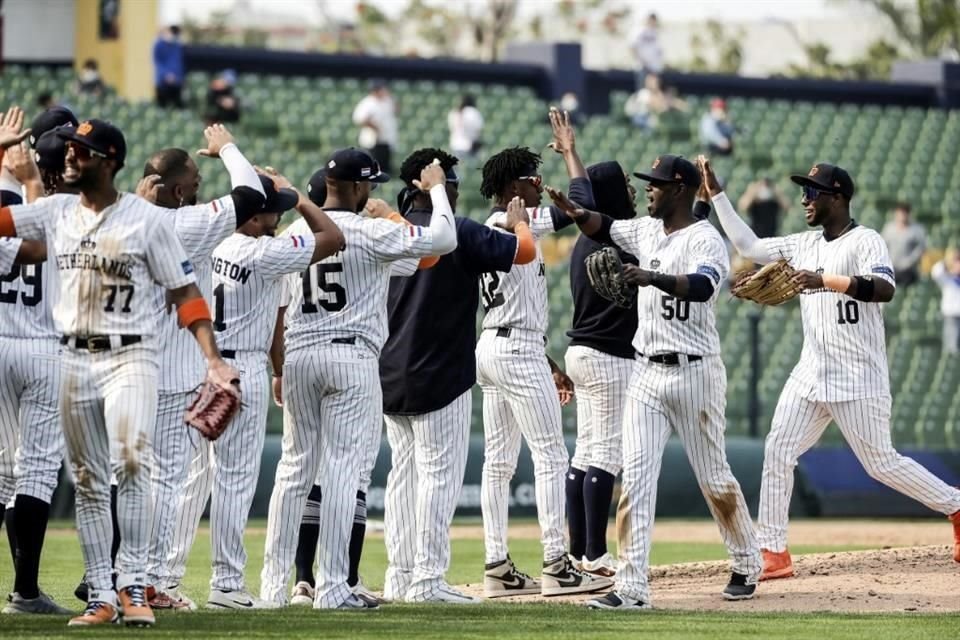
(352, 165)
(672, 169)
(278, 200)
(48, 120)
(828, 178)
(50, 150)
(317, 189)
(100, 136)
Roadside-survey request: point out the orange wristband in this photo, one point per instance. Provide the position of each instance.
(526, 245)
(7, 228)
(193, 310)
(840, 284)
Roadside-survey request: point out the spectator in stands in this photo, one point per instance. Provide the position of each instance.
(645, 107)
(466, 128)
(946, 274)
(168, 68)
(907, 240)
(223, 105)
(716, 130)
(647, 50)
(89, 80)
(764, 202)
(376, 115)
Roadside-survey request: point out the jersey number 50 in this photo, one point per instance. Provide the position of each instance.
(321, 286)
(674, 308)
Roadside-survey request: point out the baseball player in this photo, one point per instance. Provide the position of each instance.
(335, 328)
(172, 180)
(427, 369)
(29, 357)
(247, 271)
(599, 361)
(842, 374)
(678, 381)
(108, 247)
(518, 381)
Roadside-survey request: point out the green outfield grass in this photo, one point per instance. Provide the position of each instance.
(62, 566)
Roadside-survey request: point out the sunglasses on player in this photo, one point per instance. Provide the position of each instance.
(534, 180)
(81, 152)
(812, 193)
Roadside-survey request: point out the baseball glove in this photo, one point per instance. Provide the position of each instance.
(605, 272)
(213, 408)
(771, 285)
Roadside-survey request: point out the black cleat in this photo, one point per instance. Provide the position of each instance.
(738, 589)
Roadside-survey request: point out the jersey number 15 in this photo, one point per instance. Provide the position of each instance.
(321, 286)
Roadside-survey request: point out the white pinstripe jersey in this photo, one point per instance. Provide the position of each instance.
(27, 295)
(345, 294)
(108, 263)
(666, 324)
(844, 354)
(200, 228)
(247, 273)
(518, 298)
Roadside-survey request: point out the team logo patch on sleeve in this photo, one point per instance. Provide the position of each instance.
(187, 267)
(882, 268)
(709, 271)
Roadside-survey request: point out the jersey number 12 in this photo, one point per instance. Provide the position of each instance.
(321, 287)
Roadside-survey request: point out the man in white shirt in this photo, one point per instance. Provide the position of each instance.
(376, 115)
(946, 274)
(466, 125)
(647, 50)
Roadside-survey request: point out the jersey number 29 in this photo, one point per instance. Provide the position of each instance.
(321, 286)
(31, 276)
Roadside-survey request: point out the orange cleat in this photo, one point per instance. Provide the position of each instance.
(133, 604)
(96, 613)
(955, 519)
(776, 564)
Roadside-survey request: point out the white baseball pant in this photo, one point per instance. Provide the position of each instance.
(429, 457)
(108, 404)
(689, 399)
(600, 380)
(226, 471)
(798, 423)
(329, 394)
(520, 399)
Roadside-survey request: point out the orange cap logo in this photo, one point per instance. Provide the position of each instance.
(656, 163)
(814, 171)
(84, 128)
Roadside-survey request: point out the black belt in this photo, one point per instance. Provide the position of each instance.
(350, 340)
(228, 353)
(672, 359)
(97, 343)
(504, 332)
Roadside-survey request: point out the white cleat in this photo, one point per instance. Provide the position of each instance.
(356, 603)
(181, 601)
(366, 595)
(445, 594)
(605, 566)
(503, 579)
(239, 599)
(617, 602)
(302, 595)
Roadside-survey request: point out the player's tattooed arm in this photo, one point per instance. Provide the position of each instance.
(694, 287)
(563, 383)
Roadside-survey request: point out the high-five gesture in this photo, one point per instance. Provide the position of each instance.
(708, 177)
(10, 128)
(516, 213)
(564, 139)
(217, 137)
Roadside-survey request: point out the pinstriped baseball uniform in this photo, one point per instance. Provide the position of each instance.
(30, 361)
(199, 228)
(688, 398)
(108, 265)
(842, 376)
(519, 395)
(336, 325)
(247, 275)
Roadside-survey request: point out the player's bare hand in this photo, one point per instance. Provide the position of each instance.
(377, 208)
(431, 176)
(222, 374)
(562, 202)
(149, 188)
(564, 387)
(808, 280)
(10, 128)
(19, 160)
(564, 139)
(217, 137)
(635, 276)
(707, 176)
(277, 386)
(516, 213)
(280, 181)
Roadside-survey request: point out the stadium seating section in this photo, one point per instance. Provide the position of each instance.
(893, 153)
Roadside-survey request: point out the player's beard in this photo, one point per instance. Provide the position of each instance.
(78, 178)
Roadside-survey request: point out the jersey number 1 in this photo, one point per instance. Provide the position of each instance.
(322, 277)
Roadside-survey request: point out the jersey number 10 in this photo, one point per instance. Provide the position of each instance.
(321, 287)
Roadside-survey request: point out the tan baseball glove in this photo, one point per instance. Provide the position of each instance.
(772, 285)
(213, 408)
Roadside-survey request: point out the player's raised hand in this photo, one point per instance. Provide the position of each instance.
(280, 181)
(564, 387)
(708, 177)
(10, 128)
(149, 188)
(431, 176)
(19, 159)
(562, 202)
(564, 139)
(516, 213)
(377, 208)
(217, 137)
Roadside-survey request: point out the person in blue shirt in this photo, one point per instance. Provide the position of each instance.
(168, 68)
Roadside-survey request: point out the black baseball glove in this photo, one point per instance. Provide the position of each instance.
(605, 272)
